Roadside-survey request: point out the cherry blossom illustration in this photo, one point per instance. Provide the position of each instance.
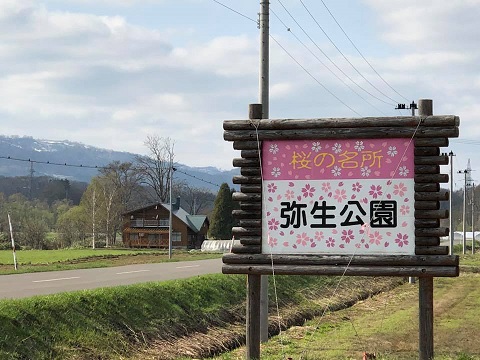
(289, 194)
(392, 151)
(272, 242)
(308, 191)
(330, 242)
(326, 187)
(272, 187)
(365, 171)
(399, 189)
(316, 146)
(347, 235)
(273, 224)
(340, 195)
(375, 238)
(319, 235)
(357, 187)
(359, 146)
(403, 171)
(404, 210)
(402, 239)
(376, 191)
(337, 148)
(336, 171)
(276, 172)
(274, 149)
(302, 239)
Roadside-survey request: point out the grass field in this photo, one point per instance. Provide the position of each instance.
(68, 259)
(387, 324)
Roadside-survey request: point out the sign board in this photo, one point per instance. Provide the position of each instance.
(341, 196)
(349, 196)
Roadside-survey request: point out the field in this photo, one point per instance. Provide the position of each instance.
(387, 324)
(320, 317)
(69, 259)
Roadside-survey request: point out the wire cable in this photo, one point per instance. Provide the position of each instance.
(93, 167)
(313, 77)
(321, 62)
(329, 59)
(236, 12)
(343, 55)
(356, 48)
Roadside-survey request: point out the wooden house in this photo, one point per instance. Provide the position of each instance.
(149, 227)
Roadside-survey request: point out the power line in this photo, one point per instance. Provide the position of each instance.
(343, 55)
(356, 48)
(89, 167)
(293, 58)
(195, 177)
(236, 12)
(329, 59)
(313, 77)
(321, 62)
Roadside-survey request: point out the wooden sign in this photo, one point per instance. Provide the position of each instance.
(344, 196)
(341, 196)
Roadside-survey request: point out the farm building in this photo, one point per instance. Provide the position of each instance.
(149, 227)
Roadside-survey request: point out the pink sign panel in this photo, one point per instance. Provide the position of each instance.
(338, 197)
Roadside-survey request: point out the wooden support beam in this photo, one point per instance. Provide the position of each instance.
(335, 133)
(427, 205)
(424, 151)
(443, 195)
(431, 160)
(251, 171)
(424, 187)
(427, 240)
(241, 179)
(251, 197)
(353, 123)
(337, 260)
(353, 270)
(431, 250)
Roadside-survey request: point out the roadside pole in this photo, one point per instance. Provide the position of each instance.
(264, 100)
(13, 242)
(425, 284)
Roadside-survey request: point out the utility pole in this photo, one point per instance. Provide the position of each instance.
(464, 241)
(93, 219)
(264, 78)
(473, 219)
(170, 216)
(30, 189)
(452, 231)
(413, 107)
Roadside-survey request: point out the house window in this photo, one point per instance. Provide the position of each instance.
(176, 236)
(133, 236)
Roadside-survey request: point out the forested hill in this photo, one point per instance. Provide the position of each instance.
(15, 153)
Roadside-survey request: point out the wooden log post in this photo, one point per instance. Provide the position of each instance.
(425, 287)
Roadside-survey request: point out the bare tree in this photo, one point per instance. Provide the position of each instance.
(156, 169)
(126, 178)
(196, 200)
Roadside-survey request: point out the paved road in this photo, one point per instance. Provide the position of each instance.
(25, 285)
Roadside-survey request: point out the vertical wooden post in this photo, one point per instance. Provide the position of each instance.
(254, 285)
(425, 284)
(253, 317)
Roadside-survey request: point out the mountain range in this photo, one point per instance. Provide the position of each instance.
(25, 156)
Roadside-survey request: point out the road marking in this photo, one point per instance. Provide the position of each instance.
(131, 272)
(187, 266)
(59, 279)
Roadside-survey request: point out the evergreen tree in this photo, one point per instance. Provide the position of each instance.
(222, 220)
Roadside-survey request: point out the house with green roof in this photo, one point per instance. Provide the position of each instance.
(149, 227)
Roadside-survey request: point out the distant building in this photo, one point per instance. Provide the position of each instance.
(149, 227)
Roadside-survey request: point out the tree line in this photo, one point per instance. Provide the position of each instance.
(60, 213)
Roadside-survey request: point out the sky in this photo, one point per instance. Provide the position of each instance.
(109, 73)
